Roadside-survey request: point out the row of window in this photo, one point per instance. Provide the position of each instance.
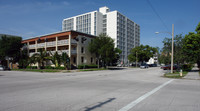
(69, 24)
(83, 60)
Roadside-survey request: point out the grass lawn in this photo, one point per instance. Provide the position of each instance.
(38, 70)
(92, 69)
(175, 75)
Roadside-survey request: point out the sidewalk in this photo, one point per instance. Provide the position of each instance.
(193, 74)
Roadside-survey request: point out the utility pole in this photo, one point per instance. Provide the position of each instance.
(172, 55)
(136, 59)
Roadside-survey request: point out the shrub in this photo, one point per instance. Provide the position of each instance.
(60, 68)
(49, 67)
(86, 66)
(31, 67)
(186, 67)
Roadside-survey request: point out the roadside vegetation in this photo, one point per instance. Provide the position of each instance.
(186, 49)
(96, 69)
(37, 70)
(103, 47)
(176, 74)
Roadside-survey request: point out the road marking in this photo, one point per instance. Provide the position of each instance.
(133, 103)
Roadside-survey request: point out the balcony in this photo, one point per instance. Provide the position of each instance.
(67, 51)
(31, 53)
(32, 46)
(41, 45)
(66, 42)
(53, 44)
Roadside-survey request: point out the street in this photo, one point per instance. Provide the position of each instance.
(130, 89)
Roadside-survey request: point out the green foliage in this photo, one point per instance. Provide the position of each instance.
(176, 75)
(10, 46)
(191, 47)
(198, 28)
(179, 56)
(37, 70)
(31, 67)
(103, 47)
(55, 58)
(40, 58)
(187, 67)
(142, 53)
(24, 59)
(86, 66)
(165, 58)
(64, 58)
(60, 68)
(49, 67)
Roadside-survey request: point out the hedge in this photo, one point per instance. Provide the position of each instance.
(31, 67)
(86, 66)
(186, 67)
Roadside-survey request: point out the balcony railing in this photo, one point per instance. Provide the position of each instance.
(31, 53)
(53, 44)
(41, 45)
(32, 46)
(67, 51)
(50, 44)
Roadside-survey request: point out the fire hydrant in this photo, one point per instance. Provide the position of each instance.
(181, 73)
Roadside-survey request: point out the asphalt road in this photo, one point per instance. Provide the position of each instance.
(112, 90)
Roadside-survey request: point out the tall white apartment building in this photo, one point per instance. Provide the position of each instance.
(124, 31)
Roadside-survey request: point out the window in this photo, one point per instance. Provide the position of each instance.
(91, 60)
(82, 59)
(74, 60)
(82, 49)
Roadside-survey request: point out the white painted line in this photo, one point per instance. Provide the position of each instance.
(133, 103)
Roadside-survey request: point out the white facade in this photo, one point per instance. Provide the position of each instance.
(124, 31)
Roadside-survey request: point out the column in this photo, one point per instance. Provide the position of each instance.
(28, 48)
(70, 50)
(56, 43)
(77, 54)
(36, 46)
(45, 45)
(70, 46)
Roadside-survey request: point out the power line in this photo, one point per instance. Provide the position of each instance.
(158, 15)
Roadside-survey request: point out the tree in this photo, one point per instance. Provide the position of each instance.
(103, 47)
(64, 59)
(191, 47)
(55, 59)
(40, 58)
(10, 47)
(142, 53)
(179, 57)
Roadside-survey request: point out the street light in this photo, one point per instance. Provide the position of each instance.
(172, 55)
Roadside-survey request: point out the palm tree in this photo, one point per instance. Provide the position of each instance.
(64, 59)
(55, 59)
(40, 58)
(31, 60)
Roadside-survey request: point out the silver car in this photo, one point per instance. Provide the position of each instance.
(1, 68)
(144, 66)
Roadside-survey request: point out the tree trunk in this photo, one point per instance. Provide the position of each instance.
(98, 63)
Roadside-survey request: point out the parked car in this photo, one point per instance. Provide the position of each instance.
(1, 68)
(143, 66)
(152, 65)
(119, 65)
(4, 68)
(168, 67)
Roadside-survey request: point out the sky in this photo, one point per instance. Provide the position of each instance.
(30, 18)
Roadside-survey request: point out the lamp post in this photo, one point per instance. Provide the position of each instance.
(172, 53)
